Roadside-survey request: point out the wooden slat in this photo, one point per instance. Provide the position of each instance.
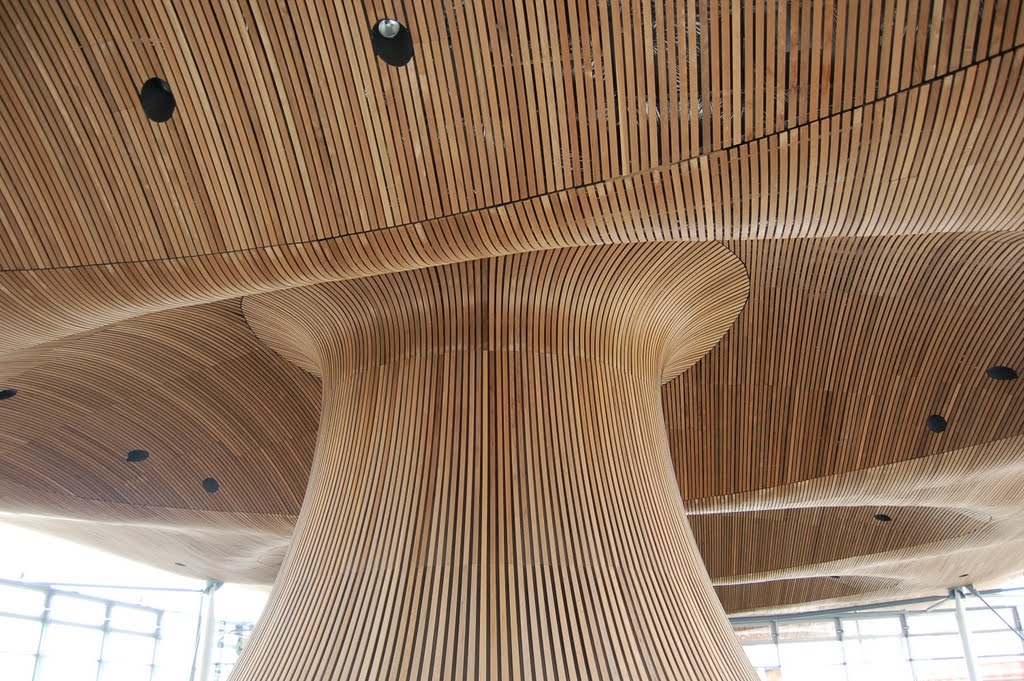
(278, 110)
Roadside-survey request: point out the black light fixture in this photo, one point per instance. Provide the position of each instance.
(7, 393)
(883, 518)
(1001, 373)
(964, 576)
(935, 423)
(392, 42)
(180, 564)
(137, 455)
(834, 577)
(211, 485)
(157, 100)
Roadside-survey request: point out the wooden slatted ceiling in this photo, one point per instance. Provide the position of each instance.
(935, 311)
(844, 349)
(933, 159)
(754, 597)
(193, 387)
(278, 109)
(985, 480)
(295, 158)
(751, 542)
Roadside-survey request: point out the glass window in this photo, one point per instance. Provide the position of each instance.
(69, 642)
(931, 647)
(887, 670)
(815, 654)
(745, 634)
(1003, 642)
(807, 630)
(981, 620)
(811, 673)
(878, 626)
(1000, 670)
(17, 667)
(940, 670)
(19, 636)
(932, 623)
(77, 610)
(762, 655)
(66, 669)
(120, 671)
(133, 619)
(131, 648)
(21, 601)
(870, 651)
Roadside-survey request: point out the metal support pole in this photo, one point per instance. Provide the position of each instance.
(965, 635)
(209, 630)
(44, 623)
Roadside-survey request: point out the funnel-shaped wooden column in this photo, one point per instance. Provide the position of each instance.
(492, 495)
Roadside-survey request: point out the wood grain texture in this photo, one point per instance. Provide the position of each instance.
(928, 156)
(761, 411)
(273, 117)
(863, 160)
(197, 391)
(492, 494)
(844, 350)
(985, 481)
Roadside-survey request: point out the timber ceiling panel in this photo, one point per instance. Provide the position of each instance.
(844, 349)
(273, 117)
(192, 387)
(862, 159)
(849, 343)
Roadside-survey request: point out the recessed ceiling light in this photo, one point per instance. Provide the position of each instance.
(211, 485)
(157, 100)
(883, 518)
(391, 41)
(137, 455)
(935, 423)
(7, 393)
(1001, 373)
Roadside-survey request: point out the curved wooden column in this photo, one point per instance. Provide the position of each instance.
(492, 495)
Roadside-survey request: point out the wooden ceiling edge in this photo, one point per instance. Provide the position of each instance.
(46, 304)
(903, 589)
(859, 487)
(49, 505)
(552, 197)
(888, 564)
(109, 294)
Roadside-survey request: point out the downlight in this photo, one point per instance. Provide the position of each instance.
(157, 100)
(137, 455)
(1001, 373)
(392, 42)
(935, 423)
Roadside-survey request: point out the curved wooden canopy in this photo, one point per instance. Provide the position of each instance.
(863, 161)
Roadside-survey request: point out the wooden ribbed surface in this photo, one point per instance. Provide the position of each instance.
(277, 109)
(768, 540)
(931, 312)
(861, 159)
(928, 156)
(858, 341)
(492, 494)
(754, 597)
(985, 481)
